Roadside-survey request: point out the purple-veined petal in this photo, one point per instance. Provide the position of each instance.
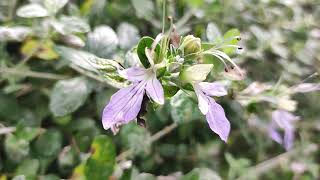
(203, 101)
(288, 139)
(213, 89)
(134, 74)
(217, 120)
(124, 106)
(154, 90)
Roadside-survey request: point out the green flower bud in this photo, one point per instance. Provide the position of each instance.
(191, 44)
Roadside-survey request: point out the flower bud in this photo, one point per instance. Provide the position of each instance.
(191, 44)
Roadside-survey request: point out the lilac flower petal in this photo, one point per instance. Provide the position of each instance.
(203, 101)
(288, 139)
(154, 90)
(217, 120)
(284, 119)
(134, 106)
(123, 106)
(213, 89)
(274, 134)
(134, 74)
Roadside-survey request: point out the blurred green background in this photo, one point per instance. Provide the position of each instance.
(50, 109)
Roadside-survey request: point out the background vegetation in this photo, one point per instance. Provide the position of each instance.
(50, 108)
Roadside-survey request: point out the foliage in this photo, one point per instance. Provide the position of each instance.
(59, 63)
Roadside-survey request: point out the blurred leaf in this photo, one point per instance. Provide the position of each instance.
(101, 163)
(43, 50)
(27, 133)
(17, 33)
(32, 10)
(230, 38)
(28, 167)
(135, 138)
(213, 33)
(53, 6)
(5, 10)
(143, 8)
(128, 35)
(237, 166)
(84, 130)
(10, 110)
(49, 143)
(16, 149)
(67, 25)
(67, 159)
(103, 41)
(183, 108)
(201, 174)
(92, 7)
(49, 177)
(68, 95)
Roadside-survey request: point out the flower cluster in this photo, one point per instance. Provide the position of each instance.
(177, 62)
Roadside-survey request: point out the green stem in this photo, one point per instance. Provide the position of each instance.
(32, 74)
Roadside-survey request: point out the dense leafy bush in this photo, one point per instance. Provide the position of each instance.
(61, 61)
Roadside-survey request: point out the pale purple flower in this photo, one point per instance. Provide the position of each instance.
(284, 121)
(125, 104)
(215, 114)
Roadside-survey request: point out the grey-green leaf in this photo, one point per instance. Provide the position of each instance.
(68, 95)
(183, 108)
(32, 11)
(128, 35)
(201, 174)
(49, 143)
(144, 8)
(213, 33)
(103, 41)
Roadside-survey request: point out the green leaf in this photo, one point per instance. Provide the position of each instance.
(145, 42)
(136, 138)
(16, 149)
(27, 133)
(169, 91)
(230, 39)
(10, 110)
(195, 73)
(49, 177)
(201, 174)
(183, 108)
(101, 163)
(67, 159)
(28, 167)
(49, 143)
(105, 68)
(68, 95)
